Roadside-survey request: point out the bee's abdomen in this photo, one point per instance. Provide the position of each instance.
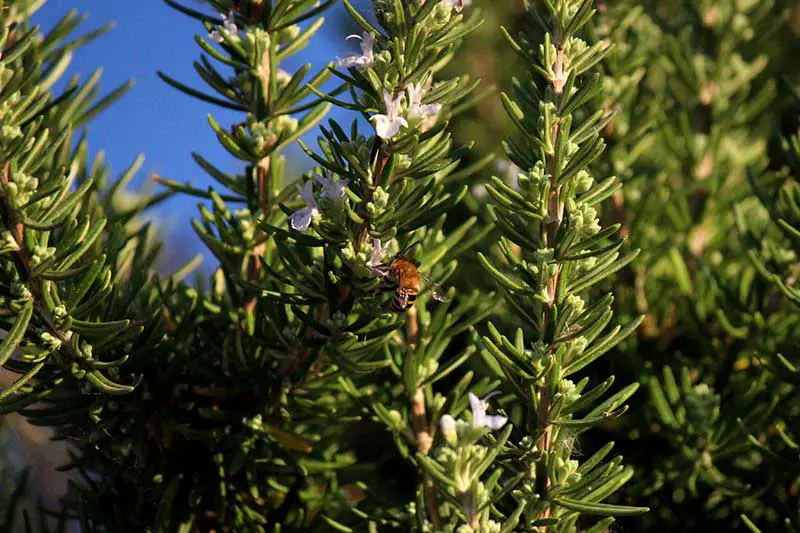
(403, 299)
(398, 306)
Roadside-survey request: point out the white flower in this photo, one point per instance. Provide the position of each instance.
(479, 417)
(332, 190)
(361, 61)
(300, 220)
(378, 253)
(416, 109)
(388, 125)
(457, 4)
(228, 26)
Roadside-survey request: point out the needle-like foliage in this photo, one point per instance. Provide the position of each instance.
(415, 334)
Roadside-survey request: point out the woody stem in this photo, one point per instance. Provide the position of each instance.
(420, 423)
(22, 262)
(555, 213)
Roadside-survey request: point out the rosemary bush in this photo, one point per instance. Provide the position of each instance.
(443, 325)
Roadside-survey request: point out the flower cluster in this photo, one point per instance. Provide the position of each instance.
(359, 61)
(388, 124)
(228, 26)
(331, 190)
(368, 39)
(401, 108)
(480, 420)
(464, 459)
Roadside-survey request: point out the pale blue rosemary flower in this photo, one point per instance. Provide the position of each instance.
(378, 253)
(388, 125)
(332, 189)
(359, 61)
(416, 109)
(228, 26)
(479, 417)
(301, 220)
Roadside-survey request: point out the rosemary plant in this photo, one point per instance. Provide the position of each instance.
(552, 250)
(684, 153)
(394, 341)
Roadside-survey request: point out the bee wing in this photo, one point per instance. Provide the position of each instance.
(437, 292)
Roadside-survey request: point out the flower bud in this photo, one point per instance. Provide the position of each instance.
(448, 426)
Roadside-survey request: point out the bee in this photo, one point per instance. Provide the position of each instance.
(403, 272)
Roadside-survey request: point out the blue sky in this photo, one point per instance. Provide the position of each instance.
(153, 118)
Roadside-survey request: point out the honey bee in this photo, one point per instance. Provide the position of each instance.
(403, 272)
